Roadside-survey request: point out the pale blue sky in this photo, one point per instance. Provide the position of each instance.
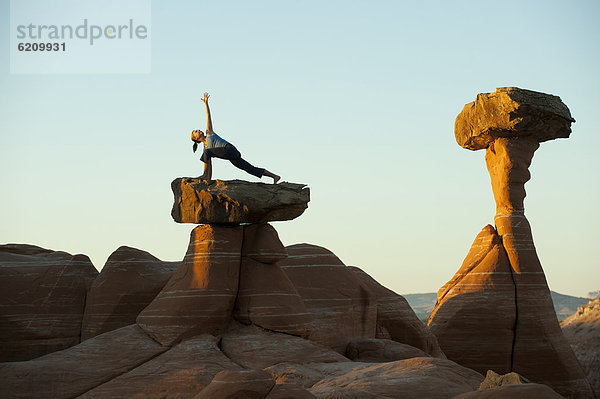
(355, 99)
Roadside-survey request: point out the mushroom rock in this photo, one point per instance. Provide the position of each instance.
(128, 282)
(236, 201)
(342, 307)
(182, 372)
(510, 124)
(76, 370)
(267, 298)
(474, 317)
(42, 300)
(200, 296)
(395, 318)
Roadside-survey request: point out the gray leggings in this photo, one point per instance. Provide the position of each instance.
(231, 153)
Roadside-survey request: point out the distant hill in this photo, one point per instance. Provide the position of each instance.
(564, 305)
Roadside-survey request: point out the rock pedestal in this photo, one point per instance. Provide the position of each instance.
(509, 124)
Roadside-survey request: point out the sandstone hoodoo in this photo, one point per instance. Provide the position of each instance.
(236, 201)
(509, 124)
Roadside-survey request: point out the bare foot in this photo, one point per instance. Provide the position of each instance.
(276, 179)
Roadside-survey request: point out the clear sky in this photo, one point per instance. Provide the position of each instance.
(357, 99)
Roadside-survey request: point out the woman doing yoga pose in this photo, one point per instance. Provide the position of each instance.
(216, 147)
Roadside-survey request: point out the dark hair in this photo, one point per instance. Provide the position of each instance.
(195, 147)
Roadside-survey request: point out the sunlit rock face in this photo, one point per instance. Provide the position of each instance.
(42, 300)
(236, 201)
(510, 124)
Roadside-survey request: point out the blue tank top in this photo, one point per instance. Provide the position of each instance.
(214, 141)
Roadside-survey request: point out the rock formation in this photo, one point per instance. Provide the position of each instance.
(509, 124)
(42, 300)
(128, 282)
(200, 201)
(582, 330)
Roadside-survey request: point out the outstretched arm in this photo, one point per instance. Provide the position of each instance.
(209, 126)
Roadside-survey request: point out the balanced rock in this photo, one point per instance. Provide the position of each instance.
(510, 124)
(396, 320)
(181, 372)
(582, 330)
(76, 370)
(42, 300)
(342, 307)
(236, 201)
(512, 112)
(200, 296)
(128, 282)
(474, 317)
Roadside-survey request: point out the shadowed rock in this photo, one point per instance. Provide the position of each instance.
(381, 350)
(342, 307)
(128, 282)
(181, 372)
(475, 314)
(251, 384)
(236, 201)
(73, 371)
(41, 301)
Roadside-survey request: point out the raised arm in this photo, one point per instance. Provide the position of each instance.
(209, 126)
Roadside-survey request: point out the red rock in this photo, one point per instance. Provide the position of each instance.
(247, 384)
(267, 298)
(236, 201)
(416, 378)
(289, 391)
(342, 307)
(200, 296)
(381, 350)
(128, 282)
(262, 244)
(42, 300)
(582, 330)
(475, 314)
(73, 371)
(525, 391)
(396, 320)
(181, 372)
(255, 348)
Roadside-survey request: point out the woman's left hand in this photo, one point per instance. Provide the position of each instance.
(205, 98)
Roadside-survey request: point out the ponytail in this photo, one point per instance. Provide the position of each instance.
(195, 147)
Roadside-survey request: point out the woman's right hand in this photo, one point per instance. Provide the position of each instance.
(205, 98)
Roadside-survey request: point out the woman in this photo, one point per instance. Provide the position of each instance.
(215, 146)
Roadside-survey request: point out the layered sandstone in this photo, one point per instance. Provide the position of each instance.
(582, 330)
(199, 297)
(42, 300)
(128, 282)
(510, 124)
(236, 201)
